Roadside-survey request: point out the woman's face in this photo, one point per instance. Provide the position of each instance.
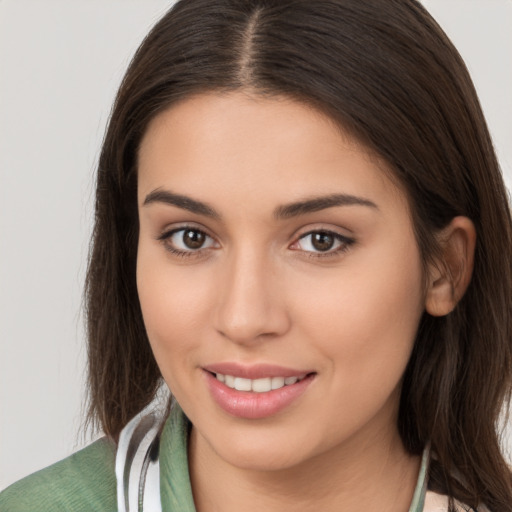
(279, 279)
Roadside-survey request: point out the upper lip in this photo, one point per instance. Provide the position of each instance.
(254, 371)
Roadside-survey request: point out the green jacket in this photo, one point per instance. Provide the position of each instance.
(86, 482)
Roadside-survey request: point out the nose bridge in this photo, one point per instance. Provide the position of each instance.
(250, 305)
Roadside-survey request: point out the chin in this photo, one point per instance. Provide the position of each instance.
(262, 449)
(259, 460)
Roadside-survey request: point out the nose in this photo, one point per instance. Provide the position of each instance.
(250, 303)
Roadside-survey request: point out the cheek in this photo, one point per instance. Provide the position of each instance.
(365, 318)
(174, 302)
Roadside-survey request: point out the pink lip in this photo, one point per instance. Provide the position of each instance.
(251, 405)
(254, 371)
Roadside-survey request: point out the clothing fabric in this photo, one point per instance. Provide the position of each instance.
(83, 482)
(138, 464)
(86, 481)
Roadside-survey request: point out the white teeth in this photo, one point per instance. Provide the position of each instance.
(277, 382)
(242, 384)
(257, 385)
(262, 385)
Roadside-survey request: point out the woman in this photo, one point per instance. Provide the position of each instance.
(301, 228)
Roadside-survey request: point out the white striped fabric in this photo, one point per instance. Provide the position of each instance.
(137, 466)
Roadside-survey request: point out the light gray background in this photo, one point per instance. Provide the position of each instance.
(60, 64)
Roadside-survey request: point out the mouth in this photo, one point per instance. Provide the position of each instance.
(258, 391)
(262, 385)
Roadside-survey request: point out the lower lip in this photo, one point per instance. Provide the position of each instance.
(251, 405)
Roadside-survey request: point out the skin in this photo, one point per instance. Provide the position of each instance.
(259, 291)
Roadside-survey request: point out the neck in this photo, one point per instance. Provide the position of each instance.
(374, 475)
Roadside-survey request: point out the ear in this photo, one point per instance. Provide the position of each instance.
(450, 275)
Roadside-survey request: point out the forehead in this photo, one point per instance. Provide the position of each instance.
(238, 145)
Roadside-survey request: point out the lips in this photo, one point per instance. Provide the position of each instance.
(255, 371)
(257, 391)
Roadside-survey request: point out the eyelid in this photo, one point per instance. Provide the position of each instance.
(175, 227)
(165, 236)
(345, 242)
(322, 228)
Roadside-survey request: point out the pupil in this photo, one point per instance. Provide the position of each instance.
(323, 241)
(193, 239)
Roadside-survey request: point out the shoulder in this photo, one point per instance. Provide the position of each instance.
(83, 482)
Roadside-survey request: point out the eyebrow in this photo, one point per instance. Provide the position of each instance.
(181, 201)
(282, 212)
(316, 204)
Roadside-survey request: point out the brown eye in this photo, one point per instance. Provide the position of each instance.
(193, 239)
(322, 241)
(187, 241)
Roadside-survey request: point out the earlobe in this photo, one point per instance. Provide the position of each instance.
(450, 275)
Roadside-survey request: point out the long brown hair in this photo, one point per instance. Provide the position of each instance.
(389, 75)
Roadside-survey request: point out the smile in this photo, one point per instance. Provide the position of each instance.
(262, 385)
(255, 391)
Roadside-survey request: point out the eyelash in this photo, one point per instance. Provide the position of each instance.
(345, 243)
(167, 235)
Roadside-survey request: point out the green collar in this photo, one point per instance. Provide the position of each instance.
(175, 489)
(418, 498)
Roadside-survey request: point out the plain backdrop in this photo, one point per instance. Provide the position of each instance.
(60, 64)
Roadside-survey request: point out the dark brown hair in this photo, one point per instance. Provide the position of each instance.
(389, 75)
